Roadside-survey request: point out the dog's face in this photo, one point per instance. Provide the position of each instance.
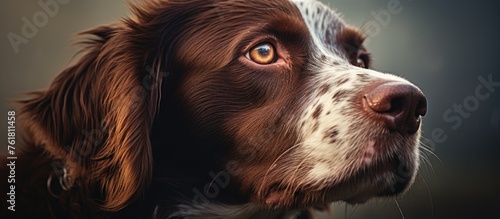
(287, 85)
(278, 94)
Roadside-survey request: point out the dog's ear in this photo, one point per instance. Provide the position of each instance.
(96, 116)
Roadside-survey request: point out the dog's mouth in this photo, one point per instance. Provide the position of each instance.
(389, 177)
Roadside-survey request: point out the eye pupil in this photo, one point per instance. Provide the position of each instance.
(263, 54)
(264, 50)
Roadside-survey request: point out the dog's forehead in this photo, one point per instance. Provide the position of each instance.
(322, 21)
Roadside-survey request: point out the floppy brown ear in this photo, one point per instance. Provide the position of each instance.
(96, 116)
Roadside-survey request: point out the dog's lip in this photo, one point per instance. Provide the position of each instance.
(279, 196)
(378, 162)
(371, 173)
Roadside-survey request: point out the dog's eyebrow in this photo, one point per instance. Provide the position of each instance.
(350, 36)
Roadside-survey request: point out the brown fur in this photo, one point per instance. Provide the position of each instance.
(103, 117)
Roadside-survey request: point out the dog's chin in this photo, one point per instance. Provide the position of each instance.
(385, 180)
(391, 177)
(352, 191)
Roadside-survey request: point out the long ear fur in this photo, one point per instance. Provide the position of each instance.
(96, 117)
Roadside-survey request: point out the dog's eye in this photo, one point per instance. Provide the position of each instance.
(263, 54)
(363, 60)
(361, 63)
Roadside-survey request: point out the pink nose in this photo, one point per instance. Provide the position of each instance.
(398, 104)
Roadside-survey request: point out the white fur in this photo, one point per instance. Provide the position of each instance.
(327, 160)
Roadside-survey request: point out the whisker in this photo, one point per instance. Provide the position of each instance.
(353, 210)
(430, 151)
(296, 171)
(430, 195)
(259, 192)
(213, 180)
(400, 211)
(428, 165)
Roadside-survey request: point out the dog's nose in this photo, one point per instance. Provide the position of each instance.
(399, 104)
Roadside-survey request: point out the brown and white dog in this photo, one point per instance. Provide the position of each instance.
(217, 109)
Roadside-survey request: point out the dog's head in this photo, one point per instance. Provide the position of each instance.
(287, 85)
(281, 91)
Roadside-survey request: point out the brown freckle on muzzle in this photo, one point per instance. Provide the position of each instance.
(340, 82)
(339, 95)
(317, 111)
(323, 89)
(363, 78)
(316, 126)
(331, 134)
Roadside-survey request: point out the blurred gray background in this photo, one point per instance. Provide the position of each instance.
(444, 47)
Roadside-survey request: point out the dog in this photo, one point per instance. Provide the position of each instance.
(217, 109)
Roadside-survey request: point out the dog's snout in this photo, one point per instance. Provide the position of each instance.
(399, 104)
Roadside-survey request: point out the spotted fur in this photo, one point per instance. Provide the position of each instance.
(338, 140)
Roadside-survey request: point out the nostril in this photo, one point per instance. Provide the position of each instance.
(398, 104)
(421, 107)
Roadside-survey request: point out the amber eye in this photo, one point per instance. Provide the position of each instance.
(263, 54)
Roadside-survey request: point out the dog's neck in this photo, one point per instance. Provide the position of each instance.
(191, 168)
